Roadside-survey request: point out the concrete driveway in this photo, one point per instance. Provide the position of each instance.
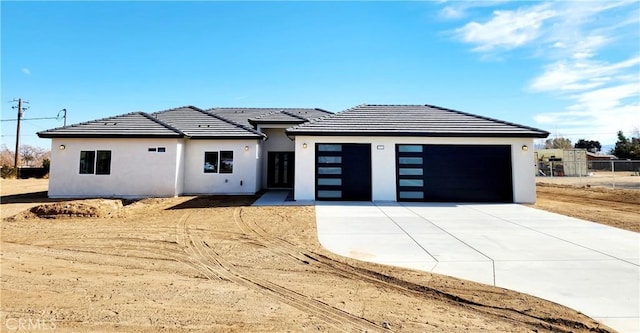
(589, 267)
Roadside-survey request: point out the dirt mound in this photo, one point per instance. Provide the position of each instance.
(99, 208)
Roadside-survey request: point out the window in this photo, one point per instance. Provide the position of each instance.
(410, 148)
(215, 162)
(410, 160)
(226, 162)
(90, 165)
(103, 162)
(162, 149)
(326, 147)
(329, 159)
(87, 161)
(152, 149)
(210, 162)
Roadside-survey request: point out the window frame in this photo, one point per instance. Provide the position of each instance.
(95, 162)
(214, 162)
(87, 162)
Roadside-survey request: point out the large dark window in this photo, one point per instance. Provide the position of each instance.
(95, 162)
(211, 162)
(87, 161)
(103, 162)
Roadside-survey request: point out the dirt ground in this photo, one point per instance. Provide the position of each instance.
(216, 264)
(619, 208)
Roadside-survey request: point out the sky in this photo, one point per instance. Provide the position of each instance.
(570, 68)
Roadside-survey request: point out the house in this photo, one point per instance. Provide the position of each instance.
(369, 152)
(184, 150)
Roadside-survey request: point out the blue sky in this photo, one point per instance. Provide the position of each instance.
(571, 68)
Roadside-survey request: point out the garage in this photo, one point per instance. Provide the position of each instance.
(343, 171)
(419, 153)
(454, 173)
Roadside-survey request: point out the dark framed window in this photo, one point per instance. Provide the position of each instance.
(103, 162)
(95, 162)
(226, 162)
(162, 149)
(87, 161)
(210, 162)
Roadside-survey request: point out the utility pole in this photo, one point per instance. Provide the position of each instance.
(20, 112)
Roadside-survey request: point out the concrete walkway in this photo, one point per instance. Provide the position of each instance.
(589, 267)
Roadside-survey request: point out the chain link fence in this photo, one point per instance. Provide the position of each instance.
(603, 173)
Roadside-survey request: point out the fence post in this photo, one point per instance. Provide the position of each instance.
(551, 168)
(613, 172)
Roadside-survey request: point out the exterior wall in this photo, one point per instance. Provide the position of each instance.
(135, 172)
(277, 141)
(383, 163)
(245, 167)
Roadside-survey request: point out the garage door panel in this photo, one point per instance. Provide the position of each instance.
(456, 173)
(343, 172)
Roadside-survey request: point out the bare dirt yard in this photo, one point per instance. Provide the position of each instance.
(201, 264)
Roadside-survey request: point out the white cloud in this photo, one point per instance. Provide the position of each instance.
(590, 61)
(459, 9)
(26, 71)
(507, 29)
(579, 74)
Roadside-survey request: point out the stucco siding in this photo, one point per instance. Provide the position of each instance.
(135, 171)
(241, 181)
(383, 163)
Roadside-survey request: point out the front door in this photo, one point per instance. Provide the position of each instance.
(280, 169)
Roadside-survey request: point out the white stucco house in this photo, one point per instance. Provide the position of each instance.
(369, 152)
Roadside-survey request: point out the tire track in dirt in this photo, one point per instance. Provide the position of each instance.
(213, 262)
(169, 250)
(283, 247)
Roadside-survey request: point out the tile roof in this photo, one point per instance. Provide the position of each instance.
(412, 120)
(131, 125)
(252, 116)
(199, 124)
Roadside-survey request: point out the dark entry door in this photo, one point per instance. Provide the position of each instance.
(343, 171)
(280, 169)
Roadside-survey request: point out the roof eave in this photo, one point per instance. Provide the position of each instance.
(420, 134)
(235, 137)
(104, 136)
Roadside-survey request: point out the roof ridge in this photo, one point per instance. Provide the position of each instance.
(486, 118)
(258, 108)
(293, 115)
(160, 122)
(260, 116)
(231, 122)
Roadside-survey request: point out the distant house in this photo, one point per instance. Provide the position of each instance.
(600, 157)
(369, 152)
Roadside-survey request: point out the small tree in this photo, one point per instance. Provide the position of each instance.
(6, 156)
(31, 155)
(627, 148)
(590, 145)
(558, 143)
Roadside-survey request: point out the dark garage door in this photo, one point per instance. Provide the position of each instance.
(454, 173)
(343, 171)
